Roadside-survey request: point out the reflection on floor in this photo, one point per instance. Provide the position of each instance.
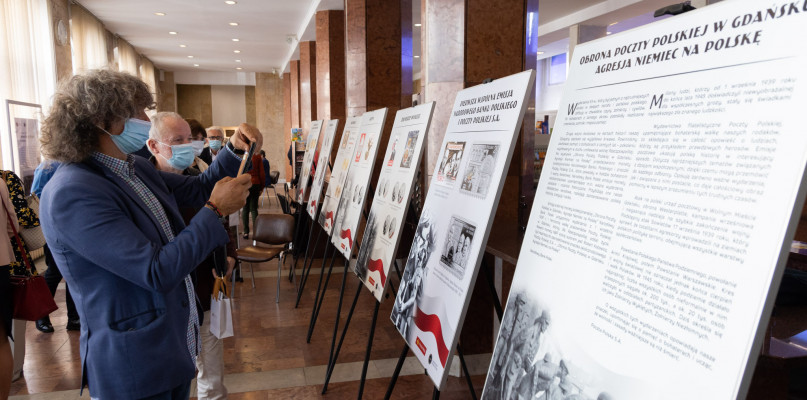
(268, 358)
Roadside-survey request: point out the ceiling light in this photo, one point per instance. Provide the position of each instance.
(539, 53)
(417, 56)
(233, 23)
(183, 45)
(195, 65)
(238, 68)
(612, 23)
(190, 56)
(235, 40)
(608, 33)
(229, 2)
(172, 33)
(237, 60)
(159, 14)
(417, 25)
(236, 51)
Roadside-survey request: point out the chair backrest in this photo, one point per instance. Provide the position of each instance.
(284, 203)
(274, 176)
(274, 228)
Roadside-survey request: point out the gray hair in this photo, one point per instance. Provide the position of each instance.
(85, 102)
(157, 121)
(215, 128)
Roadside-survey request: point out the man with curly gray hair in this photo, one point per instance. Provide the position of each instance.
(113, 225)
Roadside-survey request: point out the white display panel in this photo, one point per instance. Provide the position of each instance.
(392, 195)
(660, 225)
(341, 166)
(322, 166)
(457, 214)
(308, 158)
(351, 204)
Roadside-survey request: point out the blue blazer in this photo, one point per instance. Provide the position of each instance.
(125, 277)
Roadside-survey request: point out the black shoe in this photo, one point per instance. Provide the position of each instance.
(74, 324)
(44, 325)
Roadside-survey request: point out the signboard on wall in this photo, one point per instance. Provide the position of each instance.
(392, 195)
(355, 189)
(664, 213)
(453, 229)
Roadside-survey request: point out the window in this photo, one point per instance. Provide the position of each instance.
(557, 69)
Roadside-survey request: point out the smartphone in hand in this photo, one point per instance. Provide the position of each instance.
(246, 161)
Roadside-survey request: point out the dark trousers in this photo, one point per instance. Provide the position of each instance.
(181, 392)
(251, 206)
(52, 277)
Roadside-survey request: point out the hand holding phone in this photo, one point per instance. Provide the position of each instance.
(246, 161)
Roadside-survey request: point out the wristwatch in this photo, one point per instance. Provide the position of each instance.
(232, 148)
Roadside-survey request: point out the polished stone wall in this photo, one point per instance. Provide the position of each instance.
(286, 122)
(308, 84)
(166, 92)
(331, 69)
(196, 101)
(268, 97)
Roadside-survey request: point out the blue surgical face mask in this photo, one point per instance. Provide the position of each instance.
(215, 145)
(198, 147)
(134, 136)
(181, 156)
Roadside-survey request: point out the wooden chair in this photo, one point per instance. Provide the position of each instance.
(276, 230)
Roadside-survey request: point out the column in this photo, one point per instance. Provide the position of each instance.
(330, 48)
(375, 74)
(294, 66)
(308, 84)
(286, 123)
(269, 105)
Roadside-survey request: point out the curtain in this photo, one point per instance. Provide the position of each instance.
(27, 66)
(87, 40)
(147, 74)
(127, 57)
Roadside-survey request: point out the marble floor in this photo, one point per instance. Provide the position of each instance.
(268, 358)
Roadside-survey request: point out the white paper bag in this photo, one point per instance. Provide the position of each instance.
(221, 316)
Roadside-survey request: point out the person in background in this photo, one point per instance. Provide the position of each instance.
(6, 307)
(198, 141)
(215, 141)
(26, 218)
(258, 179)
(171, 145)
(44, 171)
(113, 224)
(266, 169)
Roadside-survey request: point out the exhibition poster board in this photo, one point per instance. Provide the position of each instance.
(455, 222)
(322, 166)
(310, 151)
(341, 166)
(351, 205)
(392, 195)
(664, 213)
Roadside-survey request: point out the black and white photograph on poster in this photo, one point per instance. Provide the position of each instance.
(411, 286)
(370, 236)
(386, 225)
(457, 246)
(450, 163)
(409, 148)
(395, 189)
(528, 364)
(481, 162)
(345, 199)
(401, 190)
(386, 185)
(380, 189)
